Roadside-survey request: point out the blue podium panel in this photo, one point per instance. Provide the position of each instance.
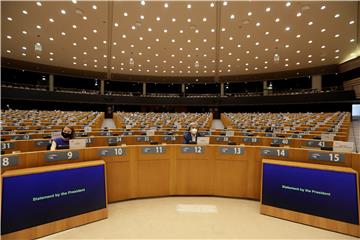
(39, 198)
(323, 193)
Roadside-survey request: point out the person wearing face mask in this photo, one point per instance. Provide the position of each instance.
(62, 142)
(191, 135)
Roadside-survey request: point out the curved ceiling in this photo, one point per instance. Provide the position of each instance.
(200, 38)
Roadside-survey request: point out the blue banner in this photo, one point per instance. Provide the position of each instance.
(35, 199)
(322, 193)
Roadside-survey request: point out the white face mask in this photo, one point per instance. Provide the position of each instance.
(193, 131)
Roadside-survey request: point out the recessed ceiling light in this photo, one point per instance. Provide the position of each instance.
(246, 69)
(197, 31)
(24, 48)
(249, 13)
(323, 59)
(287, 46)
(148, 47)
(84, 17)
(149, 29)
(309, 56)
(180, 49)
(74, 58)
(74, 63)
(287, 29)
(142, 3)
(258, 24)
(51, 39)
(181, 31)
(133, 27)
(232, 16)
(166, 5)
(277, 20)
(165, 30)
(38, 26)
(94, 7)
(74, 26)
(323, 30)
(157, 18)
(298, 51)
(85, 53)
(257, 43)
(268, 9)
(123, 36)
(286, 65)
(51, 59)
(352, 40)
(286, 60)
(323, 46)
(132, 45)
(225, 3)
(310, 23)
(74, 1)
(310, 41)
(212, 30)
(189, 6)
(95, 47)
(337, 50)
(212, 4)
(24, 32)
(9, 18)
(116, 24)
(248, 36)
(256, 57)
(94, 31)
(352, 22)
(63, 11)
(189, 20)
(297, 63)
(39, 4)
(157, 40)
(204, 19)
(9, 37)
(189, 41)
(105, 55)
(277, 40)
(75, 44)
(37, 57)
(25, 12)
(142, 17)
(336, 57)
(266, 33)
(288, 4)
(125, 14)
(238, 45)
(247, 52)
(51, 20)
(173, 19)
(337, 15)
(323, 7)
(298, 36)
(298, 14)
(223, 29)
(8, 51)
(266, 49)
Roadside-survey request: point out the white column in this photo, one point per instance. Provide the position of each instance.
(51, 82)
(102, 87)
(144, 89)
(265, 90)
(316, 82)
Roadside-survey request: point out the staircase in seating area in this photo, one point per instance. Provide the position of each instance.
(217, 124)
(108, 123)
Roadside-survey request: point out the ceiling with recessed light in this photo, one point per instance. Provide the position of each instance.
(192, 38)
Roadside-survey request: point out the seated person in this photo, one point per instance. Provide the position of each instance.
(62, 142)
(191, 135)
